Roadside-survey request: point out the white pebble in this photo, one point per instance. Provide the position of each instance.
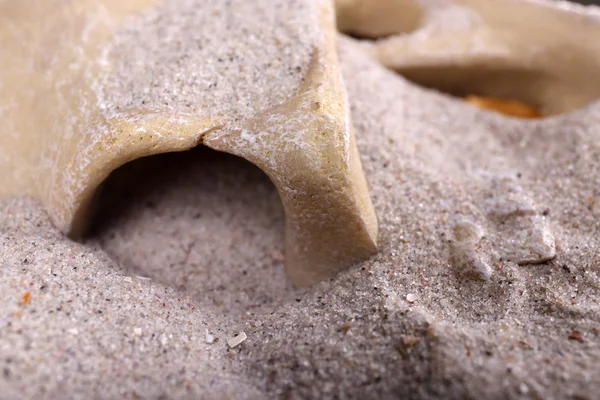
(523, 389)
(163, 339)
(128, 279)
(532, 247)
(411, 298)
(209, 338)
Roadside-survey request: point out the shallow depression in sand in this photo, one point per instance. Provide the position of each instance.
(197, 221)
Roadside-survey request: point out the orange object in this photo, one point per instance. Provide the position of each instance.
(506, 107)
(26, 298)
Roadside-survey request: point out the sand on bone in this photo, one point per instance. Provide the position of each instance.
(212, 60)
(198, 246)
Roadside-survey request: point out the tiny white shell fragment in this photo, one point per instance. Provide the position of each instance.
(234, 341)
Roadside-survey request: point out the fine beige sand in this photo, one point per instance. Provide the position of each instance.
(486, 285)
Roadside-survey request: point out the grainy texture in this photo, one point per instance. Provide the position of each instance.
(210, 59)
(413, 322)
(191, 205)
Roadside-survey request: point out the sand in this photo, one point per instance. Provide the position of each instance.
(189, 244)
(210, 59)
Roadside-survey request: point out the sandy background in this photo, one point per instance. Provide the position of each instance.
(188, 243)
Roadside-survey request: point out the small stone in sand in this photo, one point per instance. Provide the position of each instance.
(532, 247)
(467, 234)
(277, 256)
(346, 327)
(465, 257)
(410, 340)
(467, 231)
(234, 341)
(411, 298)
(209, 337)
(128, 279)
(576, 335)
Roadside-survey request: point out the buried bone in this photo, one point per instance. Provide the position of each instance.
(75, 106)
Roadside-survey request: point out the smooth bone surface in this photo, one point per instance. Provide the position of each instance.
(70, 116)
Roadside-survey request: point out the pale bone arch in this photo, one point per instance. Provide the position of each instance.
(61, 160)
(540, 52)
